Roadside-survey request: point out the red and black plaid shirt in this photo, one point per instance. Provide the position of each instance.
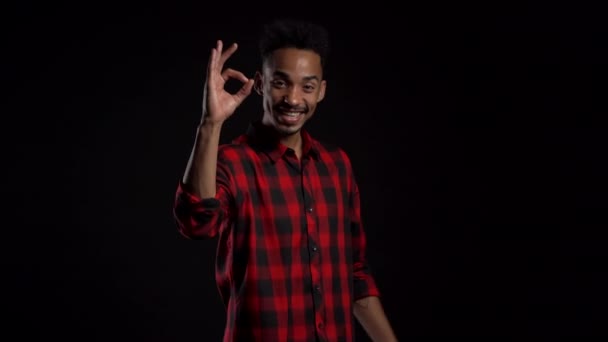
(291, 254)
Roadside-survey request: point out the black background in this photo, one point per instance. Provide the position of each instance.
(477, 133)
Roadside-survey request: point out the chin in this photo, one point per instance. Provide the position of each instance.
(288, 130)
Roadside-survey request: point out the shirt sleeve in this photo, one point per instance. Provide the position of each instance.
(203, 218)
(364, 282)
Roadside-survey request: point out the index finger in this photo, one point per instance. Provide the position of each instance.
(226, 54)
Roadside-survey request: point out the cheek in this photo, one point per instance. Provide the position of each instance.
(312, 99)
(274, 96)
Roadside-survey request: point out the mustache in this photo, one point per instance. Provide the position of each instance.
(286, 108)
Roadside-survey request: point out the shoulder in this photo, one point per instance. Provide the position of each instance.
(235, 151)
(232, 148)
(333, 152)
(336, 160)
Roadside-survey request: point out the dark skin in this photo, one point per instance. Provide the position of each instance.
(218, 106)
(291, 84)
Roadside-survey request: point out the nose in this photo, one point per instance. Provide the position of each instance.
(293, 97)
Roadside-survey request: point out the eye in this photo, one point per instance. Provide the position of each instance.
(309, 88)
(278, 83)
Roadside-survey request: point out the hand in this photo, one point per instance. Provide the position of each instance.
(219, 104)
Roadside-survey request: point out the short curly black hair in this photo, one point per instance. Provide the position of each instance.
(295, 33)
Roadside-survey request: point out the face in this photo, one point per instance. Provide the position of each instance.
(291, 84)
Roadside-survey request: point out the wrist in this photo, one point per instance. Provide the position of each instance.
(209, 125)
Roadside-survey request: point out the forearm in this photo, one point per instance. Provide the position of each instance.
(200, 173)
(370, 313)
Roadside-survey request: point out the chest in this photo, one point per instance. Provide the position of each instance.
(289, 189)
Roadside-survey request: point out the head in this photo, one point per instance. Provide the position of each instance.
(291, 80)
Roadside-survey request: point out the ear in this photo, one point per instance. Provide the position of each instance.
(322, 91)
(258, 84)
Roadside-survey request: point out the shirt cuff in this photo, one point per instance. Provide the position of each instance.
(365, 287)
(195, 200)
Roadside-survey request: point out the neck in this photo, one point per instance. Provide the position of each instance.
(293, 141)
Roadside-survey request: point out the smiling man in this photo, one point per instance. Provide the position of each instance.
(291, 259)
(291, 84)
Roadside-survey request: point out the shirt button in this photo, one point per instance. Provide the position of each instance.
(318, 288)
(314, 248)
(310, 210)
(320, 325)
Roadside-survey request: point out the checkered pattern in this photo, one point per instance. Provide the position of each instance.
(291, 253)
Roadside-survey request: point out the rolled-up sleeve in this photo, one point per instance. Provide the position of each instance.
(203, 218)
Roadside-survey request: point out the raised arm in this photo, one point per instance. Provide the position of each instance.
(198, 209)
(218, 105)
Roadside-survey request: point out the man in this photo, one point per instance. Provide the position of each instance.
(291, 260)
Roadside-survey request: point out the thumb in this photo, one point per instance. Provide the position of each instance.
(245, 90)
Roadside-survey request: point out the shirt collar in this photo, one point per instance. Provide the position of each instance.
(265, 139)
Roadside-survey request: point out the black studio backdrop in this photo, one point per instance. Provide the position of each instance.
(476, 134)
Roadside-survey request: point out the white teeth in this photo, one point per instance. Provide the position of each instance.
(292, 114)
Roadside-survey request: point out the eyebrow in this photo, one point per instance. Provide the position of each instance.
(306, 78)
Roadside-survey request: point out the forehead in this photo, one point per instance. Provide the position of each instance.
(294, 62)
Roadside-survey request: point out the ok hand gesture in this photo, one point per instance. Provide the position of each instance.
(218, 103)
